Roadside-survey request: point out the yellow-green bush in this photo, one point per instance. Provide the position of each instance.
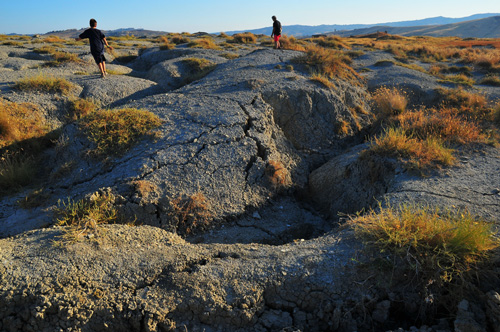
(437, 244)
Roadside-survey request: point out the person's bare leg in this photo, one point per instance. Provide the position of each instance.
(101, 69)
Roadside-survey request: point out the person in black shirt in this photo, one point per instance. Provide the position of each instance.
(97, 41)
(276, 32)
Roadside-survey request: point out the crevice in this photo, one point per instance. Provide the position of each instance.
(259, 228)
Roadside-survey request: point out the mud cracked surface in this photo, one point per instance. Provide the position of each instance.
(273, 258)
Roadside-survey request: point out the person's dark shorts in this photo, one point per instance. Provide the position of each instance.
(99, 57)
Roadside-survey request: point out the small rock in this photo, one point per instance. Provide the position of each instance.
(256, 215)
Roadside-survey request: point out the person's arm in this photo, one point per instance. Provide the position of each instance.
(106, 43)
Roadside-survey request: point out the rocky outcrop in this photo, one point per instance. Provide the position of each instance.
(352, 182)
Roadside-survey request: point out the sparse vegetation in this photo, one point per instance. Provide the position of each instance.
(199, 68)
(16, 171)
(114, 131)
(493, 80)
(390, 101)
(82, 218)
(179, 39)
(81, 107)
(191, 213)
(291, 43)
(144, 187)
(316, 77)
(277, 173)
(166, 44)
(63, 57)
(230, 56)
(45, 83)
(415, 153)
(207, 43)
(243, 38)
(19, 122)
(34, 199)
(458, 79)
(53, 39)
(331, 42)
(438, 245)
(329, 62)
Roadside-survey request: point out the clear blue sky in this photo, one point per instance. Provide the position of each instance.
(38, 16)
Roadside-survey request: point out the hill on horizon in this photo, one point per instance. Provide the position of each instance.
(482, 28)
(307, 30)
(478, 26)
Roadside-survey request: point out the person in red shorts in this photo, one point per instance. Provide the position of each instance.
(276, 32)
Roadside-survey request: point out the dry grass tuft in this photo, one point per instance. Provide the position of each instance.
(81, 107)
(144, 188)
(243, 38)
(230, 56)
(45, 83)
(329, 62)
(415, 153)
(16, 171)
(316, 77)
(207, 43)
(332, 42)
(166, 44)
(62, 58)
(277, 173)
(493, 80)
(199, 68)
(114, 131)
(82, 218)
(292, 43)
(191, 213)
(53, 39)
(179, 39)
(390, 101)
(20, 122)
(437, 245)
(460, 79)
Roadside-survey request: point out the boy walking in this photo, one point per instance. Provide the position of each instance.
(276, 32)
(97, 41)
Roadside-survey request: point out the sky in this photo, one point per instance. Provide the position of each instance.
(38, 16)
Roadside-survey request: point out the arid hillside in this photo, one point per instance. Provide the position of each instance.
(214, 183)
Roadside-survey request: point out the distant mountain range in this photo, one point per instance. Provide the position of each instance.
(482, 28)
(478, 26)
(349, 29)
(73, 33)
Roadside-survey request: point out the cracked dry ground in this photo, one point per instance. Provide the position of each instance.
(266, 265)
